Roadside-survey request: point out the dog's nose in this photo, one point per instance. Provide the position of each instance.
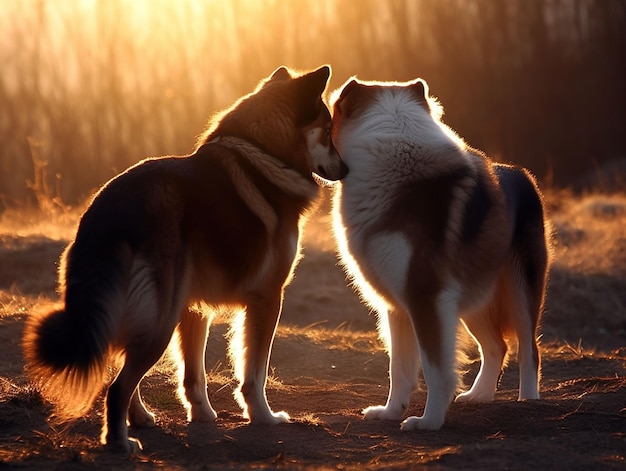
(334, 173)
(343, 170)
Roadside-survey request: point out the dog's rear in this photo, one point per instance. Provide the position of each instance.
(515, 308)
(440, 233)
(67, 350)
(123, 292)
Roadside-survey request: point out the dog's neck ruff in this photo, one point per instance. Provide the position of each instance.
(285, 178)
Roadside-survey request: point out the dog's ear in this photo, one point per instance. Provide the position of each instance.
(314, 83)
(354, 96)
(349, 86)
(309, 89)
(280, 74)
(419, 87)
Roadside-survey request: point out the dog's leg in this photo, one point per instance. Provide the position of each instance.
(492, 348)
(529, 367)
(436, 323)
(140, 355)
(403, 368)
(259, 326)
(193, 331)
(530, 289)
(138, 415)
(528, 351)
(139, 359)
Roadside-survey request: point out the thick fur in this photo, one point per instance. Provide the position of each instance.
(217, 227)
(433, 232)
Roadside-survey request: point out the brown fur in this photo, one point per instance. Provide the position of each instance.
(217, 227)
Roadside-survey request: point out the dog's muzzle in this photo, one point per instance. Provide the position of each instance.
(334, 172)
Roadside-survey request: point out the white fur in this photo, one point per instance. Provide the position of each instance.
(141, 303)
(397, 141)
(396, 128)
(441, 380)
(192, 373)
(404, 361)
(389, 255)
(529, 375)
(254, 405)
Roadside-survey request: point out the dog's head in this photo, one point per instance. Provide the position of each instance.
(368, 112)
(286, 117)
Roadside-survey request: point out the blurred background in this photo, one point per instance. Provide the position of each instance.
(89, 87)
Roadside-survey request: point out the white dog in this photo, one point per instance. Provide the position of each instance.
(432, 232)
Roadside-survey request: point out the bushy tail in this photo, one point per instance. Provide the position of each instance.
(67, 350)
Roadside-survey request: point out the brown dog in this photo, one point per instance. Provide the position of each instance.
(219, 227)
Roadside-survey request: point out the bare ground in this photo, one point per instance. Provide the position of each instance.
(328, 364)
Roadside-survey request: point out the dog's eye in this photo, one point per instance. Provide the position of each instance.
(328, 130)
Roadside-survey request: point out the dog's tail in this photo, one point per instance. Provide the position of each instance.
(67, 350)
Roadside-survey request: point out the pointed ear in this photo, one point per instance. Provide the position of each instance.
(419, 87)
(314, 83)
(309, 89)
(354, 96)
(280, 74)
(323, 72)
(349, 86)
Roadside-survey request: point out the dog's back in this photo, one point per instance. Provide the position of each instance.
(441, 233)
(219, 226)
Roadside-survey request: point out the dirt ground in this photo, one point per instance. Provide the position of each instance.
(327, 365)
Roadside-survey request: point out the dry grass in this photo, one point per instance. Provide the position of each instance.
(590, 232)
(99, 85)
(324, 370)
(56, 223)
(587, 296)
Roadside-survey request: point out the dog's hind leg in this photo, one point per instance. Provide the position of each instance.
(525, 321)
(528, 358)
(530, 264)
(403, 367)
(138, 415)
(193, 332)
(436, 320)
(252, 358)
(147, 337)
(492, 348)
(140, 357)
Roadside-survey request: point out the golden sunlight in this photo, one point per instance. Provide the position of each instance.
(89, 88)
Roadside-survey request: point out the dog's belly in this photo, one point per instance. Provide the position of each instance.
(215, 284)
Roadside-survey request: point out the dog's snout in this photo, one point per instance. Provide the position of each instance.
(343, 170)
(335, 172)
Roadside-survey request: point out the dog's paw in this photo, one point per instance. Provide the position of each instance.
(141, 418)
(382, 413)
(475, 396)
(204, 414)
(280, 418)
(420, 423)
(127, 446)
(271, 418)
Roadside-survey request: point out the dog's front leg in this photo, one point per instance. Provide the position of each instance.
(252, 358)
(403, 366)
(436, 322)
(193, 330)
